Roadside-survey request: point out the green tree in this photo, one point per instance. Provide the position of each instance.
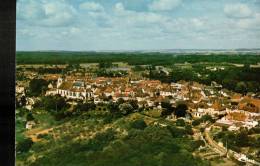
(126, 108)
(24, 145)
(23, 101)
(29, 117)
(138, 124)
(241, 87)
(37, 87)
(134, 104)
(113, 107)
(180, 122)
(181, 110)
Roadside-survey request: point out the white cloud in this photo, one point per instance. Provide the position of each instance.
(119, 7)
(134, 18)
(91, 6)
(45, 12)
(250, 23)
(164, 5)
(237, 11)
(29, 9)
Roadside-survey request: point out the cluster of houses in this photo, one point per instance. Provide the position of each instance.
(201, 100)
(236, 110)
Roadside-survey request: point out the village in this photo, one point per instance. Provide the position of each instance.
(228, 109)
(235, 109)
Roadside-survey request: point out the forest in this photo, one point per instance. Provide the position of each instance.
(133, 58)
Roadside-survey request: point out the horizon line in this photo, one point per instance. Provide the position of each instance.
(147, 50)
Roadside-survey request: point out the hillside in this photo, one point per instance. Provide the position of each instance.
(99, 138)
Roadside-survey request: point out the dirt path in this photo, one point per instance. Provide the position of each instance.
(35, 132)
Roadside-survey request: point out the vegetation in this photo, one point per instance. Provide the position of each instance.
(203, 119)
(37, 87)
(24, 145)
(200, 68)
(130, 58)
(121, 133)
(144, 143)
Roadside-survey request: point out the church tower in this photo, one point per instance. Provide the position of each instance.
(60, 81)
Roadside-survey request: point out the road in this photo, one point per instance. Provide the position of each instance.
(223, 151)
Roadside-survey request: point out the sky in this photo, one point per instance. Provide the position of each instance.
(94, 25)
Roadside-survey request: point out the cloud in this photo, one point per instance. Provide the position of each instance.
(119, 7)
(29, 10)
(136, 24)
(252, 23)
(164, 5)
(46, 12)
(237, 11)
(91, 6)
(134, 18)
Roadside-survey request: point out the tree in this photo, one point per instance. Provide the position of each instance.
(196, 122)
(188, 129)
(24, 145)
(242, 138)
(85, 106)
(120, 101)
(138, 124)
(61, 103)
(167, 109)
(241, 87)
(54, 103)
(126, 108)
(23, 101)
(180, 122)
(29, 117)
(105, 65)
(181, 110)
(113, 107)
(37, 87)
(209, 118)
(134, 104)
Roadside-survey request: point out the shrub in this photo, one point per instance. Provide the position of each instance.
(29, 117)
(44, 136)
(138, 124)
(188, 129)
(180, 122)
(196, 122)
(24, 145)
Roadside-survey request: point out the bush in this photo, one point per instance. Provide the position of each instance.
(44, 136)
(196, 144)
(24, 145)
(37, 87)
(180, 122)
(138, 124)
(196, 122)
(188, 129)
(208, 118)
(29, 117)
(177, 132)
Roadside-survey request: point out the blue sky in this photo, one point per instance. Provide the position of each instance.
(137, 24)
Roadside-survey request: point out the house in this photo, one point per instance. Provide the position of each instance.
(250, 124)
(51, 92)
(19, 89)
(29, 125)
(74, 89)
(233, 128)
